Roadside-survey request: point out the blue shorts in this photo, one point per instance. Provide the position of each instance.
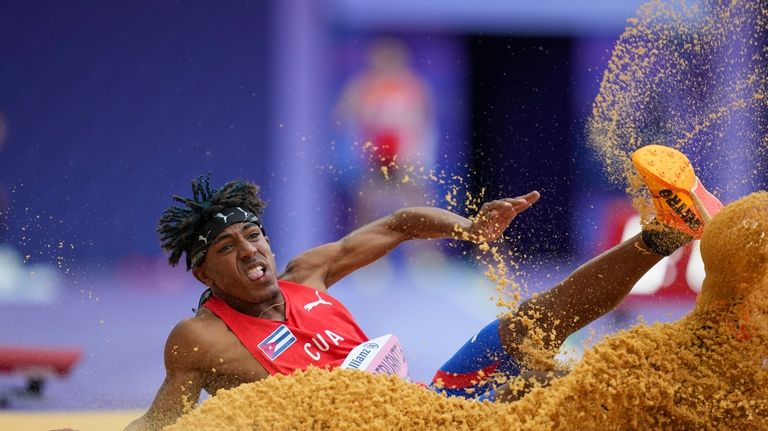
(471, 371)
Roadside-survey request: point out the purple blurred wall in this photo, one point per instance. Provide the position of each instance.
(111, 107)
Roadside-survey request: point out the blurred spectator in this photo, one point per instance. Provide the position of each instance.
(390, 105)
(388, 110)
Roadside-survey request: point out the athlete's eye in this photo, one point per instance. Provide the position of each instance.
(254, 235)
(225, 248)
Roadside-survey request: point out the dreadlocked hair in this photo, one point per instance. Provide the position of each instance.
(178, 225)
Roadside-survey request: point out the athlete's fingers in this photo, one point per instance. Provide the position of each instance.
(518, 205)
(500, 205)
(529, 198)
(524, 201)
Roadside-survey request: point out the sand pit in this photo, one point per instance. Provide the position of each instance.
(706, 371)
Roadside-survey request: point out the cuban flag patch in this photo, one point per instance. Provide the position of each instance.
(277, 342)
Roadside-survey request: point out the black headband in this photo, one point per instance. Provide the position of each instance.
(214, 226)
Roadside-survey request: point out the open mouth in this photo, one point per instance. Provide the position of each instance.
(256, 272)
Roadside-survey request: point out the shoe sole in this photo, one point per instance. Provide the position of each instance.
(680, 199)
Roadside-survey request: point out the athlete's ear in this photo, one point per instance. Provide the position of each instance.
(202, 276)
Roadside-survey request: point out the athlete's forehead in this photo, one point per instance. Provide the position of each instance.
(234, 229)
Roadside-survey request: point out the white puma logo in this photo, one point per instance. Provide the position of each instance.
(314, 304)
(223, 217)
(248, 216)
(204, 238)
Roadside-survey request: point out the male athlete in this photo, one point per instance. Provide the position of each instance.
(253, 323)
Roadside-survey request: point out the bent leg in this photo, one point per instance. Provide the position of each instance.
(589, 292)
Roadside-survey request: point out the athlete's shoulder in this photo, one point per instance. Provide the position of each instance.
(310, 268)
(194, 334)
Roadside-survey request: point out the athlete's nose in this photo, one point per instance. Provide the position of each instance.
(246, 249)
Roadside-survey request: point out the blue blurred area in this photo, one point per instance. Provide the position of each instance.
(551, 17)
(111, 108)
(114, 106)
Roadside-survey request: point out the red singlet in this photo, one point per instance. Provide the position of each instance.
(318, 330)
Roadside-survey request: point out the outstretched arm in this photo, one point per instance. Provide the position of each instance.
(325, 265)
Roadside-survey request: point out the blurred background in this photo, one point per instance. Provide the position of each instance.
(342, 111)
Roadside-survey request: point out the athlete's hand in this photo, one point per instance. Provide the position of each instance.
(494, 217)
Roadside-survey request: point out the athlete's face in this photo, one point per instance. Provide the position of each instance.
(239, 266)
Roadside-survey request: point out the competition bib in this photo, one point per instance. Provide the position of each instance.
(383, 355)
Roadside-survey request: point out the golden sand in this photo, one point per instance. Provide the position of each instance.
(707, 371)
